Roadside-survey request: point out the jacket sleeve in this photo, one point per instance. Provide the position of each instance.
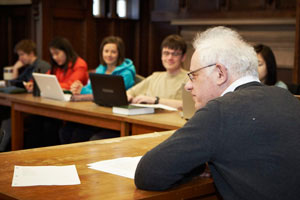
(181, 156)
(87, 89)
(79, 72)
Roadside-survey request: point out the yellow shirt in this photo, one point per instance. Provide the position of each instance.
(161, 84)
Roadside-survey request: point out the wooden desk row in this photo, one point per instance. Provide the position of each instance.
(86, 113)
(94, 184)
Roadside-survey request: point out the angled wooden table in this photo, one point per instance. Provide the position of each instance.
(94, 184)
(86, 113)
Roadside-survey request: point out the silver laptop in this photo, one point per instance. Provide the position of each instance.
(188, 104)
(50, 87)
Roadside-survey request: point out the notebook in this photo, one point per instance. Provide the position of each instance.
(108, 90)
(188, 104)
(50, 87)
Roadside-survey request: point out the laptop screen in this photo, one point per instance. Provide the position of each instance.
(108, 90)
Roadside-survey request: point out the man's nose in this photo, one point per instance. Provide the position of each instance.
(188, 86)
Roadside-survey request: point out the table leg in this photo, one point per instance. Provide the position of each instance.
(125, 129)
(17, 129)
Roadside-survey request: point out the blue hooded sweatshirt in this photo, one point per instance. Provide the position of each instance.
(126, 70)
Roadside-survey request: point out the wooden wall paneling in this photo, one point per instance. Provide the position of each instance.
(4, 51)
(285, 4)
(296, 70)
(143, 35)
(91, 39)
(237, 5)
(65, 18)
(159, 30)
(46, 28)
(15, 26)
(73, 30)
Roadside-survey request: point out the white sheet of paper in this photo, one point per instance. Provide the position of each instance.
(45, 175)
(125, 166)
(155, 106)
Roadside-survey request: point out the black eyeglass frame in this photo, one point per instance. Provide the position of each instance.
(191, 73)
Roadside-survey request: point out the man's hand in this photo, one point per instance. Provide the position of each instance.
(28, 86)
(143, 99)
(76, 87)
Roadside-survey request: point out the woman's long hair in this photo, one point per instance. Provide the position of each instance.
(64, 45)
(270, 61)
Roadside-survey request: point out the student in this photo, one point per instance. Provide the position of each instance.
(267, 67)
(250, 141)
(164, 87)
(66, 64)
(68, 67)
(112, 61)
(29, 63)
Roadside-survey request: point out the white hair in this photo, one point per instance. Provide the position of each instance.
(225, 46)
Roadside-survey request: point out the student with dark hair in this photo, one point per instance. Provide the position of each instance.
(164, 87)
(267, 67)
(68, 67)
(66, 64)
(112, 61)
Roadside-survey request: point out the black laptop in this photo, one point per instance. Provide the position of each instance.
(108, 90)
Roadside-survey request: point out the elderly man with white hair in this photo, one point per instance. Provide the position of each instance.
(247, 133)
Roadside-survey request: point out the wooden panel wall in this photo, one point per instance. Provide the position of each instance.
(15, 24)
(73, 19)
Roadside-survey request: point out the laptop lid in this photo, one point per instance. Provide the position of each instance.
(188, 104)
(50, 87)
(108, 90)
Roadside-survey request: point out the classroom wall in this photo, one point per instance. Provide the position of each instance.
(73, 19)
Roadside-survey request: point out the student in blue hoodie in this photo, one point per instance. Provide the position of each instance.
(112, 61)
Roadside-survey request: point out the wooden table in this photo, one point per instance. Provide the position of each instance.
(94, 184)
(86, 113)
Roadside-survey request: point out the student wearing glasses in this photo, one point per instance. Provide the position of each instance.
(164, 87)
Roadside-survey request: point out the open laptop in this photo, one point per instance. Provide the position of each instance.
(188, 104)
(50, 87)
(108, 90)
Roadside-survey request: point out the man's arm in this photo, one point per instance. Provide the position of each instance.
(182, 155)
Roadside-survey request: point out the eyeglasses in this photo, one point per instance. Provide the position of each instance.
(174, 54)
(191, 74)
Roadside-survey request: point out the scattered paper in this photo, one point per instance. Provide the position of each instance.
(155, 106)
(125, 166)
(45, 175)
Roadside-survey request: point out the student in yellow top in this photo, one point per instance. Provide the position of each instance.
(164, 87)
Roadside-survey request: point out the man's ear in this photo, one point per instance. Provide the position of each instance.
(222, 74)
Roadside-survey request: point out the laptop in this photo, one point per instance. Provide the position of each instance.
(50, 87)
(188, 104)
(108, 90)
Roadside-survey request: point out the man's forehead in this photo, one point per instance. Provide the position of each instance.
(195, 64)
(171, 50)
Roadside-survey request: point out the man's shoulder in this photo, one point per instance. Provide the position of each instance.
(42, 64)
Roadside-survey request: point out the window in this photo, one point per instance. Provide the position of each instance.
(121, 8)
